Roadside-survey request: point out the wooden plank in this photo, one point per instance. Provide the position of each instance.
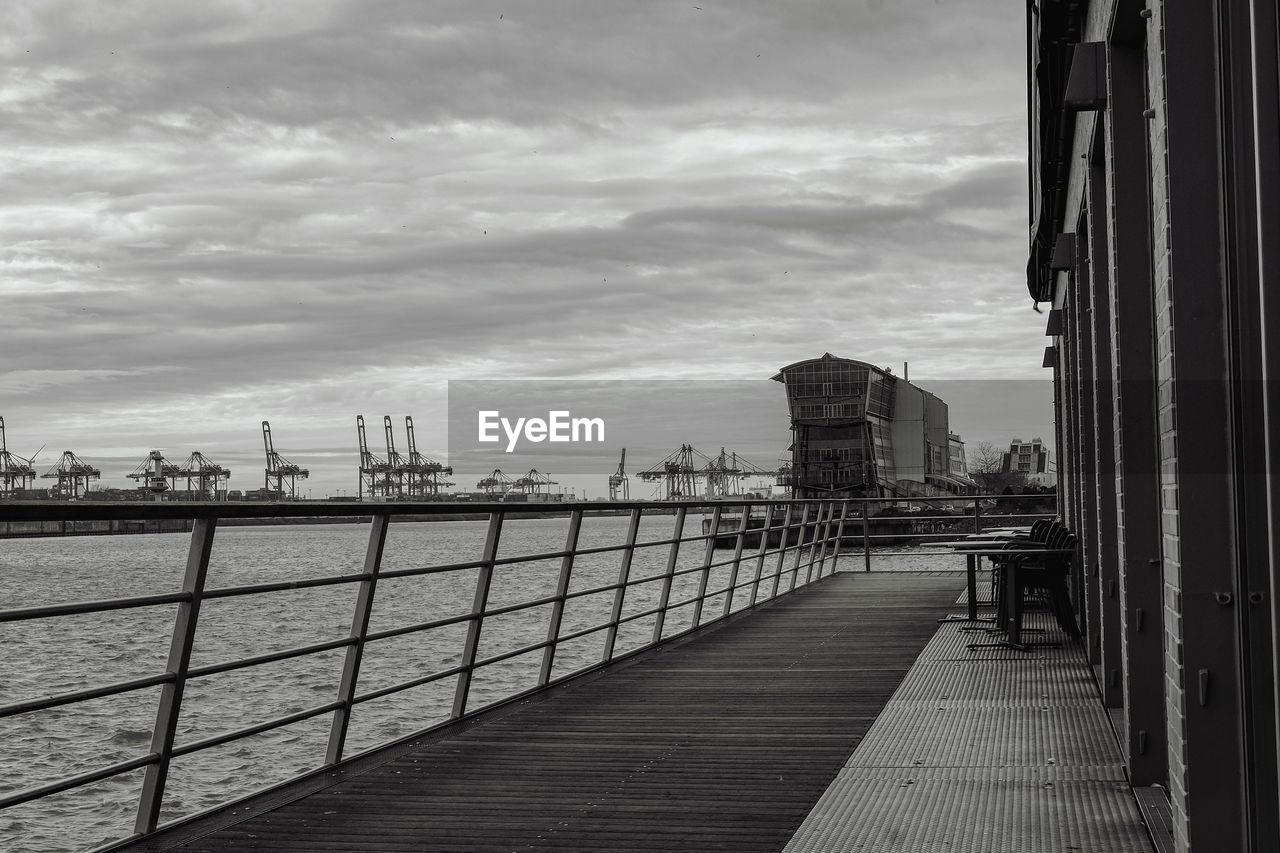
(722, 743)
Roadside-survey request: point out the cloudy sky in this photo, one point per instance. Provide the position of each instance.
(221, 212)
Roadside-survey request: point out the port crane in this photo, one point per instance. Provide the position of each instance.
(73, 475)
(373, 471)
(680, 473)
(280, 469)
(16, 473)
(426, 476)
(156, 474)
(533, 483)
(206, 479)
(393, 481)
(619, 486)
(496, 483)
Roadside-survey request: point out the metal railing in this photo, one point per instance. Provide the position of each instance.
(777, 546)
(808, 546)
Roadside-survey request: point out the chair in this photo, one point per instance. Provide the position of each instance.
(1049, 573)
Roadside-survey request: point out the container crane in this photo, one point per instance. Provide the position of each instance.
(16, 473)
(426, 476)
(533, 483)
(156, 474)
(619, 486)
(496, 483)
(372, 469)
(398, 468)
(681, 472)
(280, 469)
(73, 475)
(206, 480)
(677, 473)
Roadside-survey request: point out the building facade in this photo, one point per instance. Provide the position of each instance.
(1031, 460)
(859, 431)
(1155, 210)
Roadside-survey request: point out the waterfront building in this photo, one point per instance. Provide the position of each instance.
(1029, 459)
(859, 431)
(1155, 210)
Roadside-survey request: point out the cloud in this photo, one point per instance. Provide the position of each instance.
(218, 214)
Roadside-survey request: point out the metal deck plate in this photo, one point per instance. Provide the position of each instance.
(984, 751)
(976, 734)
(925, 815)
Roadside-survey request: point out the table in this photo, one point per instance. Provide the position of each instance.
(974, 550)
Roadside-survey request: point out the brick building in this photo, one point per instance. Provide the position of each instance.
(1155, 223)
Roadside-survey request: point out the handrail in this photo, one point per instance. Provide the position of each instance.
(808, 539)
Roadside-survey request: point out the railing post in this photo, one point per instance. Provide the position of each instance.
(782, 552)
(821, 556)
(708, 557)
(795, 568)
(664, 597)
(359, 630)
(562, 589)
(866, 535)
(835, 553)
(619, 594)
(737, 561)
(484, 578)
(760, 555)
(977, 515)
(170, 706)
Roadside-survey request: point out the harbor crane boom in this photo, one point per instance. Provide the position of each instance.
(280, 469)
(619, 486)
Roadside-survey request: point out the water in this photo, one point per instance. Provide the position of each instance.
(52, 656)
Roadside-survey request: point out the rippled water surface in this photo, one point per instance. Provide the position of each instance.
(53, 656)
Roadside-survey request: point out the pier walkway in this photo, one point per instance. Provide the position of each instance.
(723, 741)
(777, 730)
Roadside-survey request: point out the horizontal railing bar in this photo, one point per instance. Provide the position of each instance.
(406, 685)
(250, 731)
(582, 632)
(135, 510)
(512, 608)
(653, 611)
(269, 657)
(114, 689)
(104, 605)
(388, 633)
(513, 653)
(417, 571)
(282, 586)
(77, 781)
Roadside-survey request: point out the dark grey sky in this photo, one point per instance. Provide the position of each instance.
(216, 213)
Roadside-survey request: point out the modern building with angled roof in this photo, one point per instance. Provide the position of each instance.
(859, 431)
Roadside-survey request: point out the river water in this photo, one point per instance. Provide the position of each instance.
(44, 657)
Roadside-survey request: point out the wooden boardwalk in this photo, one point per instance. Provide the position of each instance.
(722, 742)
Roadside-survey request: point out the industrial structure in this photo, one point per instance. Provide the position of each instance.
(688, 473)
(206, 480)
(398, 476)
(73, 476)
(1154, 214)
(619, 485)
(425, 477)
(156, 474)
(495, 484)
(859, 431)
(280, 471)
(373, 471)
(16, 473)
(533, 483)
